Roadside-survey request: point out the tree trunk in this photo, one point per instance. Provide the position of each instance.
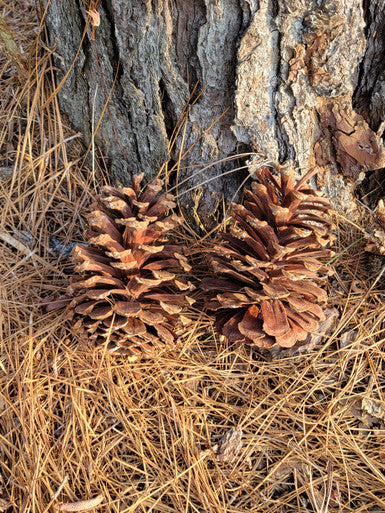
(301, 82)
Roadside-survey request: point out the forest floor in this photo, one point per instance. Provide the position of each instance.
(76, 422)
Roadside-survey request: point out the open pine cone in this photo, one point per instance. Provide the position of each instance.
(128, 292)
(268, 267)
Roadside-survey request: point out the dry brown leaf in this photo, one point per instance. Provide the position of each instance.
(229, 446)
(375, 242)
(374, 407)
(6, 172)
(25, 237)
(348, 337)
(380, 212)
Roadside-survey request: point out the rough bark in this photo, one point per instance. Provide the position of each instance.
(281, 73)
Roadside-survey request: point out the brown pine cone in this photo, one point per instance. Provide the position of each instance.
(268, 268)
(128, 292)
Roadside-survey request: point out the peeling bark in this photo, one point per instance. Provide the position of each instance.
(369, 96)
(346, 138)
(301, 82)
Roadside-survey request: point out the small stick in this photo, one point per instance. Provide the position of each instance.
(81, 505)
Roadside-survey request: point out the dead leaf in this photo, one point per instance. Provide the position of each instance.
(229, 446)
(380, 212)
(25, 237)
(284, 469)
(6, 173)
(369, 411)
(347, 338)
(374, 407)
(375, 242)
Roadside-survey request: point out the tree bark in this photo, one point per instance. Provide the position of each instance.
(301, 82)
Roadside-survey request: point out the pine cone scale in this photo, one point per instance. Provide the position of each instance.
(100, 312)
(299, 304)
(274, 318)
(161, 264)
(219, 285)
(151, 316)
(105, 241)
(251, 325)
(127, 309)
(104, 269)
(86, 308)
(291, 337)
(104, 224)
(307, 289)
(230, 329)
(305, 320)
(275, 290)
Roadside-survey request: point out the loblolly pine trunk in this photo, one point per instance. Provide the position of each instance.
(300, 82)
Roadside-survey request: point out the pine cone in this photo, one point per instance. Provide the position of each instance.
(268, 267)
(128, 293)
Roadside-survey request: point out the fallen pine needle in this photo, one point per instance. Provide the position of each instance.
(58, 491)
